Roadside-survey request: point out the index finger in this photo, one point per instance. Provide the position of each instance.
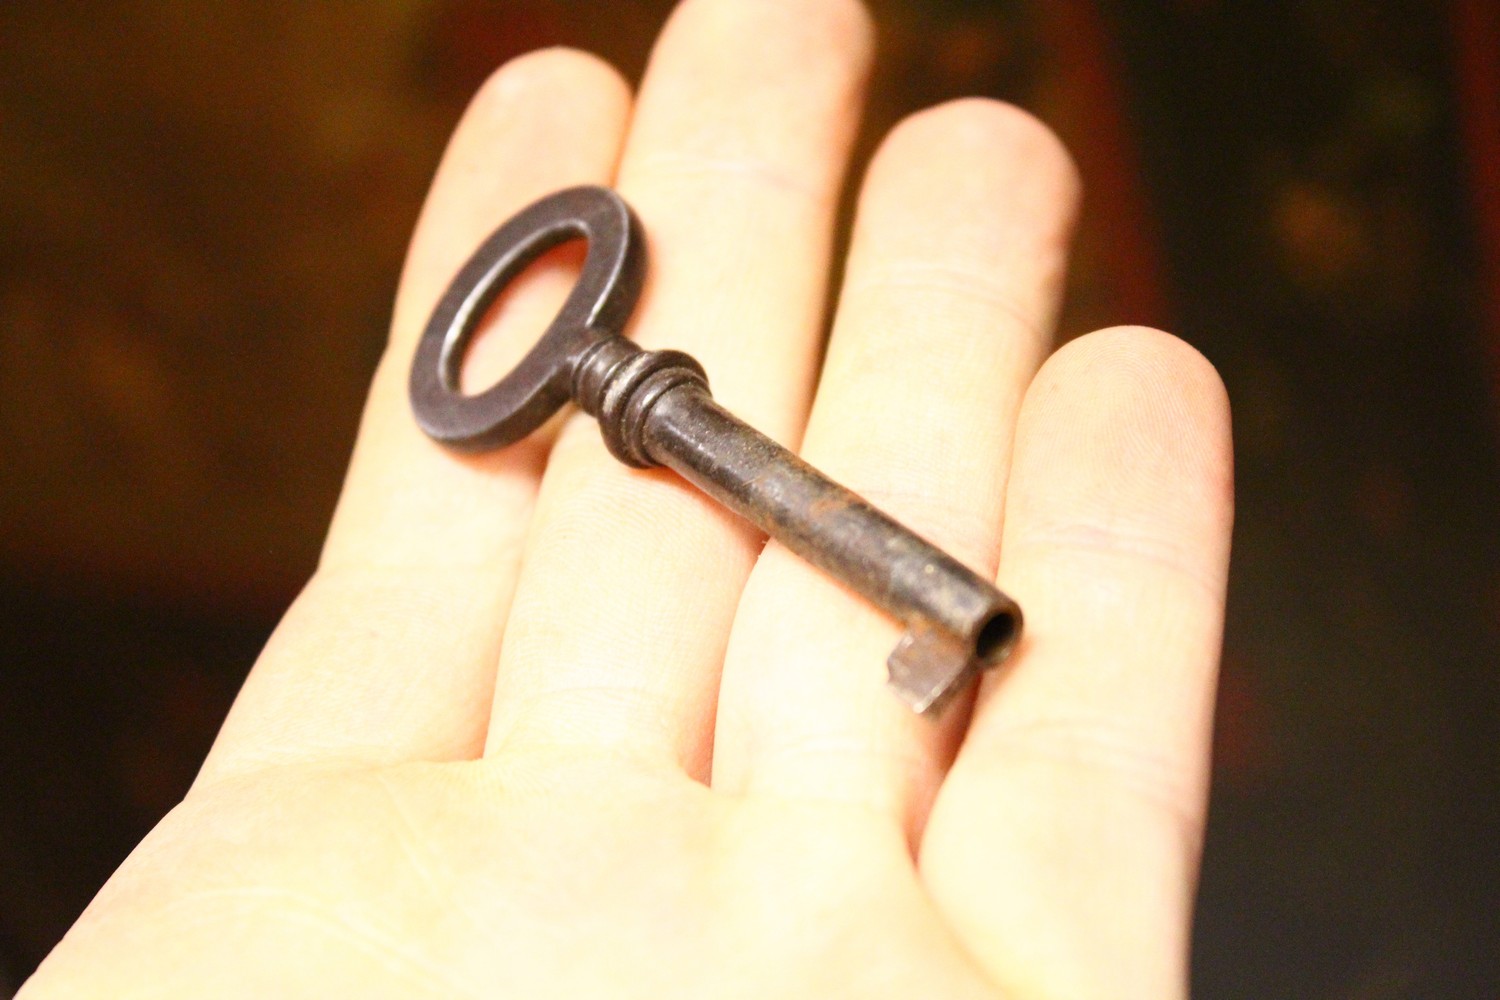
(390, 651)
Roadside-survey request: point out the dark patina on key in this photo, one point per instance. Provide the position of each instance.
(654, 408)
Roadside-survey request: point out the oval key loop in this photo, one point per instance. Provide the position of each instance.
(654, 408)
(596, 310)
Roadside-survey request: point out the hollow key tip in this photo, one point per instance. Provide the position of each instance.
(930, 665)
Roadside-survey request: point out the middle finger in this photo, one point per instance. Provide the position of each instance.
(630, 579)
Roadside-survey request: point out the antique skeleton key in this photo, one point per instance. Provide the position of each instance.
(654, 408)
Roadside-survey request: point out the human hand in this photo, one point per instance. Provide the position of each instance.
(680, 774)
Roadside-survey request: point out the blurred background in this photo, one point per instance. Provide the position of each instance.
(204, 208)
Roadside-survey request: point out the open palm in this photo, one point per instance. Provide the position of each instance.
(545, 726)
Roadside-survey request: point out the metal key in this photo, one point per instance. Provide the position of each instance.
(654, 408)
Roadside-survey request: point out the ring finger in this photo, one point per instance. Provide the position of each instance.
(947, 310)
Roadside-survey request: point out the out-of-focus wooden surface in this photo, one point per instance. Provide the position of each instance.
(204, 208)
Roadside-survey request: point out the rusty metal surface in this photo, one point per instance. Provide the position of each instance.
(655, 408)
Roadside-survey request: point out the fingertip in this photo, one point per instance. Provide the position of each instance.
(1158, 357)
(816, 27)
(1150, 399)
(554, 73)
(975, 179)
(988, 121)
(985, 134)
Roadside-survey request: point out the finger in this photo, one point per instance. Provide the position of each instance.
(1063, 844)
(389, 652)
(734, 161)
(947, 310)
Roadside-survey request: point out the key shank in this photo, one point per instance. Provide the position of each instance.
(654, 408)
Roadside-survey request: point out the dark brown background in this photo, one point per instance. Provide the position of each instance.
(203, 210)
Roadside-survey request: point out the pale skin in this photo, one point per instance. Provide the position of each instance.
(543, 726)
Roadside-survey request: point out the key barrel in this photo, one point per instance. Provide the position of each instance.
(654, 408)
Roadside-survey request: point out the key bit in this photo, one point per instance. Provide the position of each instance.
(654, 408)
